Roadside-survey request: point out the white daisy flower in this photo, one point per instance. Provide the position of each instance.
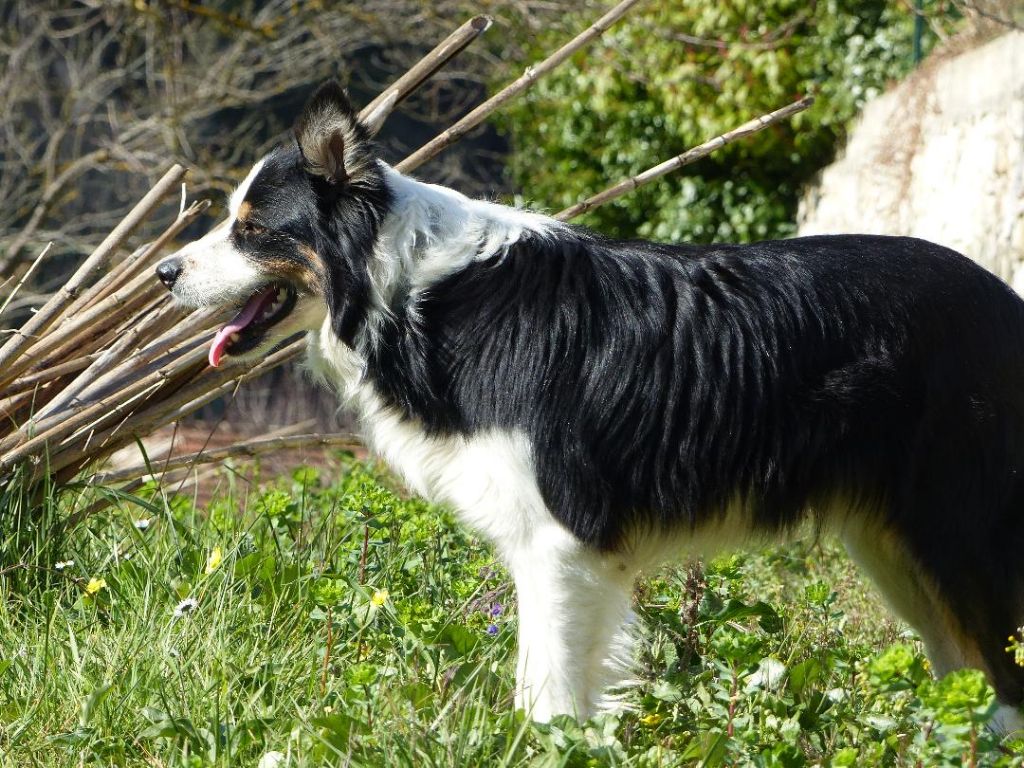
(63, 564)
(142, 523)
(185, 607)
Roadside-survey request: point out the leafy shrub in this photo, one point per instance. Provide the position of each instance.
(672, 75)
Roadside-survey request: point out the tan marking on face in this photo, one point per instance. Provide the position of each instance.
(295, 273)
(317, 269)
(244, 210)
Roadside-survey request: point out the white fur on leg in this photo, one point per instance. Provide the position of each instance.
(573, 610)
(573, 602)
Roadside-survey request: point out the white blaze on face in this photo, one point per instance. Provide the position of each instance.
(214, 271)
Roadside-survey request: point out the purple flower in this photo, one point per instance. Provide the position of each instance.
(492, 630)
(496, 610)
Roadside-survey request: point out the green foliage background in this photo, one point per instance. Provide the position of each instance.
(672, 75)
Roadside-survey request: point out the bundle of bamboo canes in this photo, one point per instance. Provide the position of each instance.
(110, 358)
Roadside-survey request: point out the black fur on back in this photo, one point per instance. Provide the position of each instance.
(659, 384)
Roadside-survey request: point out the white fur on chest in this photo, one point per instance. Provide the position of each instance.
(487, 477)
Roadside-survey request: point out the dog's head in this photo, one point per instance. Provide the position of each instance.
(300, 232)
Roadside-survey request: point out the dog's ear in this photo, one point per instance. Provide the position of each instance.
(333, 143)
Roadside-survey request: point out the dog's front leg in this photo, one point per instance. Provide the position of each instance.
(573, 609)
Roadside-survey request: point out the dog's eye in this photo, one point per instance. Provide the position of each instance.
(247, 227)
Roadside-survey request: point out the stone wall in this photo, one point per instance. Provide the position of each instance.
(940, 156)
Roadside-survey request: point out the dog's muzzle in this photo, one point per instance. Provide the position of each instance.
(169, 270)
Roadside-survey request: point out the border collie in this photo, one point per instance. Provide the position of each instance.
(595, 407)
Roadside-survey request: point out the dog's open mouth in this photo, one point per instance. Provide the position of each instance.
(266, 308)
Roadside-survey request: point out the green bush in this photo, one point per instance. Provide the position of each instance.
(672, 75)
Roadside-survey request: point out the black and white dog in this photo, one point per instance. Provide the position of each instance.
(595, 407)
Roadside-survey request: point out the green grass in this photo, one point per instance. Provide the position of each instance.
(347, 624)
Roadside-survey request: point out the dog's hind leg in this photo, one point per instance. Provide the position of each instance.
(574, 608)
(962, 605)
(882, 555)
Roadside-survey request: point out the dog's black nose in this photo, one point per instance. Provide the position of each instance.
(168, 271)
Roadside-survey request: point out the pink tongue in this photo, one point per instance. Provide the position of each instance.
(249, 313)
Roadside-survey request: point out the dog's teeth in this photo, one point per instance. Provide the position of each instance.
(281, 296)
(233, 337)
(275, 306)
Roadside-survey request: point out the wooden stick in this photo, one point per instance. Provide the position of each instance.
(248, 449)
(53, 372)
(687, 157)
(60, 425)
(12, 406)
(187, 334)
(184, 402)
(98, 259)
(376, 112)
(533, 73)
(138, 260)
(88, 343)
(101, 366)
(103, 315)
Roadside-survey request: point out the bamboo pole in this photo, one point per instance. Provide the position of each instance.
(100, 368)
(532, 74)
(11, 408)
(189, 333)
(25, 336)
(141, 258)
(377, 111)
(35, 434)
(45, 374)
(184, 402)
(103, 315)
(689, 156)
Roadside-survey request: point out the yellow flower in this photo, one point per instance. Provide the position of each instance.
(95, 585)
(380, 597)
(652, 719)
(215, 559)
